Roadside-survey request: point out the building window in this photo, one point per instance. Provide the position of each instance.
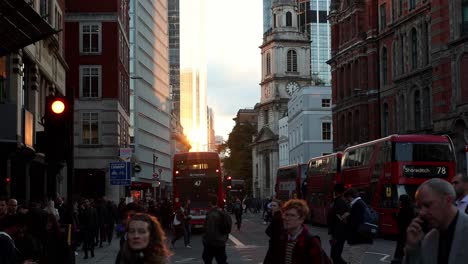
(402, 54)
(400, 7)
(268, 64)
(383, 17)
(288, 19)
(292, 61)
(384, 66)
(402, 114)
(90, 81)
(326, 131)
(357, 125)
(412, 4)
(44, 8)
(90, 129)
(274, 20)
(394, 59)
(58, 27)
(464, 25)
(426, 100)
(90, 38)
(417, 110)
(414, 49)
(385, 120)
(326, 103)
(265, 117)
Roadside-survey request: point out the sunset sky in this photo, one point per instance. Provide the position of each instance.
(233, 35)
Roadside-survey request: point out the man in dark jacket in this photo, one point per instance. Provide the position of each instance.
(218, 225)
(336, 224)
(358, 244)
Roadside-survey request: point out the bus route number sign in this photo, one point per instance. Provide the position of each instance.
(421, 171)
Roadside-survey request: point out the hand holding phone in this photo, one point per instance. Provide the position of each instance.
(415, 233)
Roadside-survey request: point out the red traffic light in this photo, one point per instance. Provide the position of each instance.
(229, 178)
(8, 179)
(57, 105)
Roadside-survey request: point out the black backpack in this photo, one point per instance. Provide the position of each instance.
(226, 223)
(324, 259)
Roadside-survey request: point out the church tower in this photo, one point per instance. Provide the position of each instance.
(285, 69)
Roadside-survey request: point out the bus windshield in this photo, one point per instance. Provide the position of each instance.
(198, 190)
(199, 164)
(287, 174)
(431, 152)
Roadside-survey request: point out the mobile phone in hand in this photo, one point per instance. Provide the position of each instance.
(425, 227)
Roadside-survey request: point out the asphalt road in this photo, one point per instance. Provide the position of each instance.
(250, 243)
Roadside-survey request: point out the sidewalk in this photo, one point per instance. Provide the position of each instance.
(104, 255)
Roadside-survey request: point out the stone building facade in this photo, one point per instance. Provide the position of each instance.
(285, 68)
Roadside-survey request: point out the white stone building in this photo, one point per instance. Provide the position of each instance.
(310, 123)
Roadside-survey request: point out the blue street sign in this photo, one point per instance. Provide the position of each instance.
(120, 173)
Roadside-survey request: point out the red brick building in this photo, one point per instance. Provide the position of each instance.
(97, 53)
(354, 65)
(400, 67)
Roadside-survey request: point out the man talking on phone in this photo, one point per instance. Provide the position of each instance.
(445, 241)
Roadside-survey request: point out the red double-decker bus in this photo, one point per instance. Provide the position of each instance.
(289, 181)
(197, 177)
(389, 167)
(322, 174)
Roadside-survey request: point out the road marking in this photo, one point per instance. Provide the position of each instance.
(383, 259)
(185, 260)
(236, 241)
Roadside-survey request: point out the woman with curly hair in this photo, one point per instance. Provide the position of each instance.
(145, 242)
(296, 244)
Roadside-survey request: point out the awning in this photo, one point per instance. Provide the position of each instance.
(20, 26)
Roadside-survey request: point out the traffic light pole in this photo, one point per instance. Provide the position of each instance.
(70, 151)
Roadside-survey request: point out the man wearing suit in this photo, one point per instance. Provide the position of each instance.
(446, 240)
(460, 184)
(358, 244)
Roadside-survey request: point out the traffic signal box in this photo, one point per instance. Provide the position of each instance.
(229, 182)
(57, 123)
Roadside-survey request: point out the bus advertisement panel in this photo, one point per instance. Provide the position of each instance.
(322, 174)
(197, 177)
(289, 181)
(387, 168)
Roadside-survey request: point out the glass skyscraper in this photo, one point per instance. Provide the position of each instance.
(320, 36)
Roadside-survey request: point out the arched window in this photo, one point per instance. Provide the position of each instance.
(384, 66)
(288, 19)
(268, 64)
(292, 61)
(414, 49)
(342, 130)
(357, 126)
(402, 113)
(402, 54)
(349, 129)
(417, 110)
(386, 125)
(394, 60)
(426, 100)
